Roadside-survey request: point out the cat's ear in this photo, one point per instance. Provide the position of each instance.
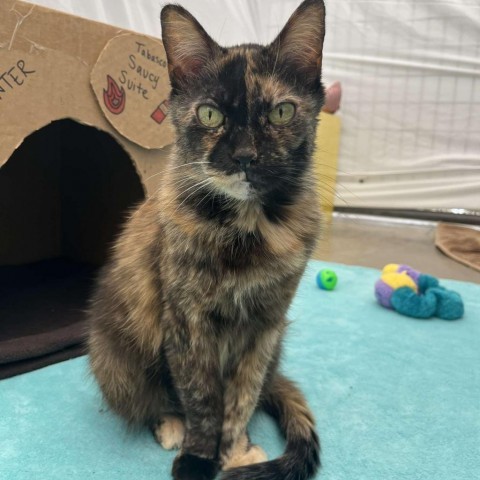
(187, 44)
(299, 45)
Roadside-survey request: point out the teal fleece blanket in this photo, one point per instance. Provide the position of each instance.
(395, 398)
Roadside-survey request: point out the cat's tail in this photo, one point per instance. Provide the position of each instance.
(302, 456)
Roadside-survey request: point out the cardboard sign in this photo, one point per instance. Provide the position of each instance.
(130, 81)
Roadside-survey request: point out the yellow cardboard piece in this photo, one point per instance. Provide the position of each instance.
(326, 160)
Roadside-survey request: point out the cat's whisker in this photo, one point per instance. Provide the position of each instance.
(176, 183)
(169, 168)
(180, 183)
(341, 185)
(280, 166)
(185, 165)
(200, 185)
(335, 194)
(153, 176)
(207, 195)
(184, 181)
(201, 182)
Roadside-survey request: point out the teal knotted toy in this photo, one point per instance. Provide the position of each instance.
(415, 294)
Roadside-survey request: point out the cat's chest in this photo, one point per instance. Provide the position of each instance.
(250, 256)
(242, 275)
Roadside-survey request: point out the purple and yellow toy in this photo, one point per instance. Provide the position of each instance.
(415, 294)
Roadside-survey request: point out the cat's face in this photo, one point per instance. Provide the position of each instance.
(247, 114)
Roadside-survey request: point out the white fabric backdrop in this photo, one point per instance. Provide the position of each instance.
(410, 71)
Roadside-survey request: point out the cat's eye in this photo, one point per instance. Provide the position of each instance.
(210, 116)
(282, 113)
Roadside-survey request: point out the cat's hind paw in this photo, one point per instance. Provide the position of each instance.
(255, 454)
(244, 453)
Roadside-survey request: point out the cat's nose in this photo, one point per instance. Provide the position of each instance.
(244, 157)
(244, 162)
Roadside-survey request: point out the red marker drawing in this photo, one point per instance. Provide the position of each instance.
(114, 97)
(161, 112)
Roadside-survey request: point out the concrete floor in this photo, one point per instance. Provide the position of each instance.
(375, 241)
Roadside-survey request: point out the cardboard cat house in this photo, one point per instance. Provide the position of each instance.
(84, 137)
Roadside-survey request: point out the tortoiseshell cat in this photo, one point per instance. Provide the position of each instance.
(188, 316)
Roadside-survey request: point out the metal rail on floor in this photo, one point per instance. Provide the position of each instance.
(456, 215)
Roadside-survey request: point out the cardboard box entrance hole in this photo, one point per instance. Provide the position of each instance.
(64, 193)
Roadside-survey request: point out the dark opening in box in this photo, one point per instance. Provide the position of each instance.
(64, 195)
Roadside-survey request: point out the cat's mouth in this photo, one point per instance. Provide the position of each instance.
(237, 185)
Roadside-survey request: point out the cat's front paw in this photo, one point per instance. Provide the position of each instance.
(190, 467)
(170, 432)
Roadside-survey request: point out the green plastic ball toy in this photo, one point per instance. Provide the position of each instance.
(327, 279)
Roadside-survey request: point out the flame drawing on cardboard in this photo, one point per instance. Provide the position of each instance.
(134, 66)
(114, 96)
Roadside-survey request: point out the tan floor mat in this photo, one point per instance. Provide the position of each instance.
(460, 243)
